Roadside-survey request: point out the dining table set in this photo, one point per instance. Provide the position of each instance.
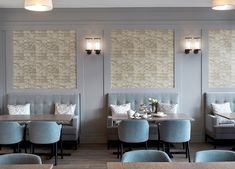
(37, 129)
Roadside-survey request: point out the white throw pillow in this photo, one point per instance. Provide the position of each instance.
(167, 108)
(222, 108)
(120, 110)
(65, 108)
(19, 109)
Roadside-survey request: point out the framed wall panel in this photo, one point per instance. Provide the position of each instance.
(44, 59)
(221, 58)
(142, 58)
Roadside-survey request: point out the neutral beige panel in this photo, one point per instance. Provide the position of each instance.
(142, 58)
(44, 59)
(221, 59)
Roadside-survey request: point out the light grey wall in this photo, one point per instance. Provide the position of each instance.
(94, 71)
(2, 68)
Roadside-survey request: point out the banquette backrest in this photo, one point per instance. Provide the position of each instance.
(136, 99)
(219, 97)
(44, 103)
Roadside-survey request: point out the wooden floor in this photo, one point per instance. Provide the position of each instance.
(95, 156)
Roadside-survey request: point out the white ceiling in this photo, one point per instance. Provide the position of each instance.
(113, 3)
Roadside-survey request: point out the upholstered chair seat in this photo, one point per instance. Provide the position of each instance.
(175, 131)
(42, 132)
(19, 158)
(214, 156)
(11, 133)
(133, 131)
(145, 156)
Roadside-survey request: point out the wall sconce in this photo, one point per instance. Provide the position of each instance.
(192, 44)
(197, 45)
(88, 46)
(97, 46)
(93, 44)
(188, 45)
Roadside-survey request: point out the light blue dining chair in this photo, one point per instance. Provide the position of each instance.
(145, 156)
(214, 156)
(175, 131)
(43, 132)
(19, 158)
(133, 131)
(11, 133)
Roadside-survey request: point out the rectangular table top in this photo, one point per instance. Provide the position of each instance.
(27, 166)
(177, 116)
(62, 118)
(173, 165)
(230, 116)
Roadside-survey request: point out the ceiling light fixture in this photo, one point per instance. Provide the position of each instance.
(38, 5)
(223, 4)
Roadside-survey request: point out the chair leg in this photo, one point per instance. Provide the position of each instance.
(118, 149)
(188, 151)
(32, 148)
(18, 147)
(121, 150)
(61, 149)
(55, 153)
(146, 145)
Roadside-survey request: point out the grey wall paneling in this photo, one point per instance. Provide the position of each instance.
(2, 69)
(94, 70)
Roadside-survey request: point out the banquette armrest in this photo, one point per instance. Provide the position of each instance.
(75, 122)
(211, 121)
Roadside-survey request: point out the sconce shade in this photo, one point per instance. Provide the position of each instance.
(38, 5)
(188, 45)
(223, 4)
(97, 46)
(89, 45)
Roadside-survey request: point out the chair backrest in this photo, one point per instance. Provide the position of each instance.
(175, 131)
(133, 131)
(214, 156)
(43, 132)
(145, 156)
(11, 132)
(19, 158)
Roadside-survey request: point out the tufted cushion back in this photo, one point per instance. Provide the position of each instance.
(136, 99)
(219, 97)
(43, 103)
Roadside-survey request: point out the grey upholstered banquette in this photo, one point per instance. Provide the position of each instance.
(136, 99)
(213, 129)
(45, 104)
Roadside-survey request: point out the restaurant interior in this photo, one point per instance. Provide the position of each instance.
(117, 84)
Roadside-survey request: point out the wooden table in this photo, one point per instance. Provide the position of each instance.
(177, 116)
(173, 165)
(27, 166)
(230, 116)
(60, 118)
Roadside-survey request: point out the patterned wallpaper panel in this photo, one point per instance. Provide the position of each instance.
(142, 58)
(221, 59)
(44, 59)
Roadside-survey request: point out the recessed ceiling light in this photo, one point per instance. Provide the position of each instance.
(38, 5)
(223, 4)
